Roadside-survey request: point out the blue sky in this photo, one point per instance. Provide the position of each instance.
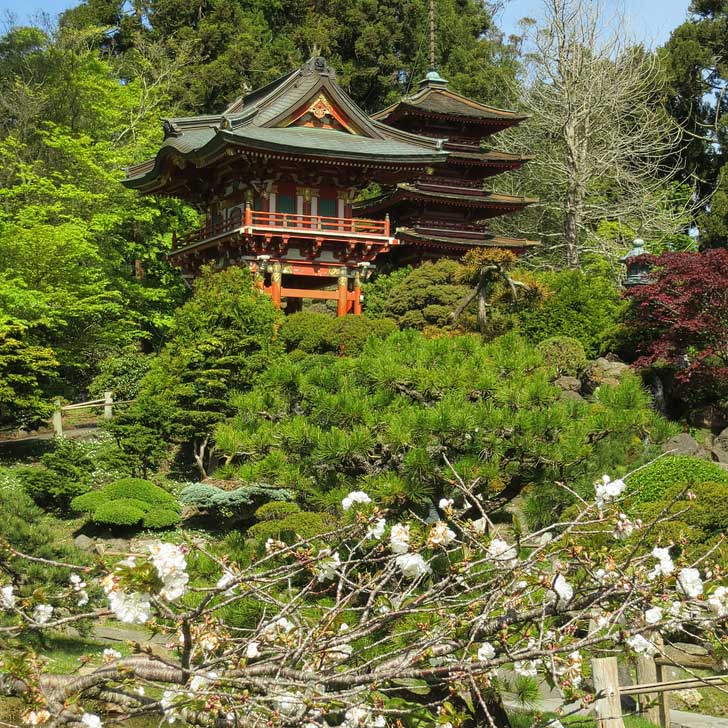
(651, 20)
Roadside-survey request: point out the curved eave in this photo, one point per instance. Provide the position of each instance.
(488, 159)
(491, 201)
(149, 178)
(407, 235)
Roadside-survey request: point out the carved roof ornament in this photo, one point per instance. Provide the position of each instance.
(320, 107)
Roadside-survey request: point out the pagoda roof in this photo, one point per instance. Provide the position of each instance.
(488, 159)
(264, 121)
(487, 240)
(435, 99)
(470, 198)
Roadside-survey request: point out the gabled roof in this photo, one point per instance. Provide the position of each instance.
(486, 240)
(264, 119)
(434, 99)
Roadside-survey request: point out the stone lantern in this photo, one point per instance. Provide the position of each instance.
(638, 271)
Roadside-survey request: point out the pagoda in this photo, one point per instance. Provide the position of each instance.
(276, 175)
(447, 213)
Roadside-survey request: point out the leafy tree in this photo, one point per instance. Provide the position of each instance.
(24, 370)
(584, 305)
(220, 340)
(680, 320)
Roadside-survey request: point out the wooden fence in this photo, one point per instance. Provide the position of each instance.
(652, 690)
(107, 402)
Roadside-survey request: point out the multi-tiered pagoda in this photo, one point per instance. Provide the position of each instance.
(448, 212)
(276, 175)
(278, 172)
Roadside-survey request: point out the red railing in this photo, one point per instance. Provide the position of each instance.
(259, 221)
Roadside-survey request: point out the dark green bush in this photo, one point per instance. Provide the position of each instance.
(305, 524)
(306, 331)
(121, 373)
(586, 306)
(129, 502)
(654, 481)
(563, 353)
(348, 334)
(120, 512)
(50, 489)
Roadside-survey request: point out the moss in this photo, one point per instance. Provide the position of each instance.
(654, 481)
(120, 512)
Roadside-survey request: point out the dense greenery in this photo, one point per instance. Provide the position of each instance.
(387, 420)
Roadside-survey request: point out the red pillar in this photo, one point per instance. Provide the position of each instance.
(275, 284)
(343, 287)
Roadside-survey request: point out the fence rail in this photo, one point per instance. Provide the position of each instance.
(107, 402)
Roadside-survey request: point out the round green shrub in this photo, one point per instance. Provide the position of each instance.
(50, 489)
(304, 524)
(307, 331)
(664, 475)
(142, 490)
(89, 502)
(276, 511)
(120, 512)
(349, 333)
(160, 518)
(565, 354)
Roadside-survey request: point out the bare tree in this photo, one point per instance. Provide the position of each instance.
(604, 146)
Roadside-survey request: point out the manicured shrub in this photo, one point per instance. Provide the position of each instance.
(129, 502)
(304, 524)
(160, 518)
(120, 512)
(563, 353)
(306, 331)
(348, 334)
(656, 480)
(50, 489)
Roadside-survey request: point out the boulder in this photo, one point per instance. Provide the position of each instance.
(719, 454)
(568, 384)
(684, 444)
(690, 696)
(568, 394)
(602, 371)
(721, 441)
(83, 542)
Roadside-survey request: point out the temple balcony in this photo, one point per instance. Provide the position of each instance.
(373, 235)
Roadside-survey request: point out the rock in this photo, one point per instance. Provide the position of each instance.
(119, 545)
(568, 394)
(721, 441)
(691, 697)
(719, 455)
(602, 371)
(708, 417)
(83, 542)
(568, 384)
(684, 444)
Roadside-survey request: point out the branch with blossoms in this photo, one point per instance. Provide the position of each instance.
(376, 623)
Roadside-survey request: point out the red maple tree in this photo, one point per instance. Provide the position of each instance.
(680, 320)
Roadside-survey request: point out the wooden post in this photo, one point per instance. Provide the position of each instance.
(386, 224)
(248, 218)
(276, 277)
(606, 681)
(357, 293)
(58, 419)
(343, 286)
(647, 675)
(108, 405)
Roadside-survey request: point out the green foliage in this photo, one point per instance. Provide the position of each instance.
(276, 511)
(25, 373)
(565, 354)
(656, 480)
(584, 305)
(71, 468)
(121, 374)
(221, 339)
(304, 524)
(378, 290)
(129, 502)
(33, 532)
(426, 296)
(318, 333)
(382, 421)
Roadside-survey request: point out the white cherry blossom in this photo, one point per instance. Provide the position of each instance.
(440, 535)
(501, 553)
(486, 652)
(376, 529)
(412, 566)
(399, 538)
(356, 496)
(689, 582)
(42, 613)
(7, 598)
